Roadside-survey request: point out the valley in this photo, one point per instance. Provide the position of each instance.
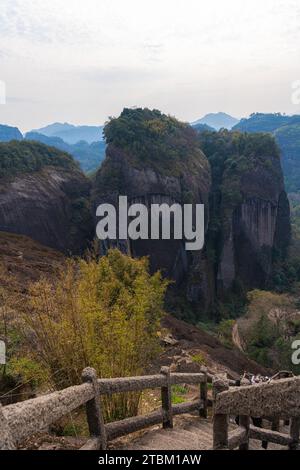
(68, 300)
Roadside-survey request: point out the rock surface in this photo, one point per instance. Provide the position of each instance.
(50, 206)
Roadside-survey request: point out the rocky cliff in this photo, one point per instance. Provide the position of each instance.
(44, 196)
(249, 207)
(161, 163)
(247, 217)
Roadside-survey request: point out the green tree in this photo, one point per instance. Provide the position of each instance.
(101, 313)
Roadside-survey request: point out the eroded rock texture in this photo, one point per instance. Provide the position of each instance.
(49, 204)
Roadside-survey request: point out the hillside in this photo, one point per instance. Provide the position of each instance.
(261, 122)
(23, 261)
(288, 138)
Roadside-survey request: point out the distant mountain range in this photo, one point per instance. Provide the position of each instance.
(86, 144)
(8, 133)
(88, 155)
(261, 122)
(72, 134)
(217, 121)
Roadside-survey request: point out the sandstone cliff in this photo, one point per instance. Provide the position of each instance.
(247, 218)
(147, 176)
(47, 199)
(250, 205)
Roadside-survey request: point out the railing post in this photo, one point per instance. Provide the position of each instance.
(6, 440)
(166, 399)
(244, 422)
(203, 396)
(93, 409)
(294, 433)
(220, 421)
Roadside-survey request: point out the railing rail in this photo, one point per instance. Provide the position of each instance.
(23, 419)
(278, 399)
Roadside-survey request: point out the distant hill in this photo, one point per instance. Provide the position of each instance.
(8, 133)
(203, 128)
(288, 138)
(260, 122)
(286, 130)
(88, 155)
(72, 134)
(217, 121)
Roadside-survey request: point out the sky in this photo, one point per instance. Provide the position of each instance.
(81, 61)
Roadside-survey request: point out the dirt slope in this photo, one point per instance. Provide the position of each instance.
(193, 343)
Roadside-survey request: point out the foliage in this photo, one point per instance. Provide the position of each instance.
(224, 332)
(27, 157)
(26, 370)
(288, 138)
(178, 394)
(260, 122)
(231, 155)
(88, 155)
(271, 330)
(100, 313)
(199, 359)
(154, 139)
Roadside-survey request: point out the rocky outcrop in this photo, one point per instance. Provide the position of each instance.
(246, 204)
(118, 176)
(162, 164)
(50, 205)
(258, 225)
(8, 133)
(249, 211)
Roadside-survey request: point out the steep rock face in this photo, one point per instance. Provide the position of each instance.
(49, 204)
(8, 133)
(252, 209)
(46, 206)
(147, 186)
(178, 179)
(254, 233)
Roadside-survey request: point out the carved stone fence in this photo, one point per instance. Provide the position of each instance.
(21, 420)
(277, 400)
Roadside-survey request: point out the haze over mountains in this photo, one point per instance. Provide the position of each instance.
(72, 134)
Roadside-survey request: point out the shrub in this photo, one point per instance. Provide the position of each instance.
(101, 313)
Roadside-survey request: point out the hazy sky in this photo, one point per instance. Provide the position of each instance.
(83, 60)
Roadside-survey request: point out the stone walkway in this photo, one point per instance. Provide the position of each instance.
(191, 434)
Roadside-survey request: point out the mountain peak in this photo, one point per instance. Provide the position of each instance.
(218, 121)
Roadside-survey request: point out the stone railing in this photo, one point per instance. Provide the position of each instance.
(278, 399)
(21, 420)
